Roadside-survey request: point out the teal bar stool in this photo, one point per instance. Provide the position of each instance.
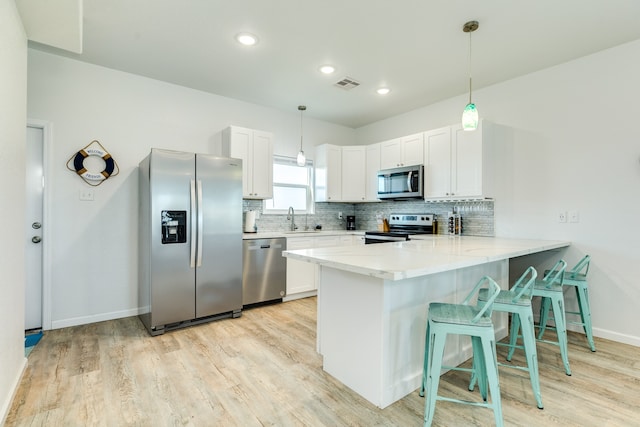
(550, 289)
(463, 319)
(517, 301)
(577, 278)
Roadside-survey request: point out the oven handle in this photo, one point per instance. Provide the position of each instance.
(384, 238)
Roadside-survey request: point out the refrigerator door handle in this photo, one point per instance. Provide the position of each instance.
(192, 258)
(200, 224)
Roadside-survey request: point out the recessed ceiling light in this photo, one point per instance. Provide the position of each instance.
(383, 91)
(247, 39)
(327, 69)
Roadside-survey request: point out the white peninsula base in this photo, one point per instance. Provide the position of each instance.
(373, 302)
(371, 331)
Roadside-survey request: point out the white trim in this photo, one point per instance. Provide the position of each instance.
(47, 153)
(85, 320)
(6, 405)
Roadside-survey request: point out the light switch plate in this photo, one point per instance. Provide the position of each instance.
(574, 216)
(86, 195)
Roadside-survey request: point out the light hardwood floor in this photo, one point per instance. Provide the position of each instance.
(262, 370)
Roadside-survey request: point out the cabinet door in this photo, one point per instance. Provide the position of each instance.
(262, 165)
(346, 240)
(467, 166)
(391, 154)
(371, 171)
(353, 174)
(437, 170)
(334, 174)
(301, 276)
(412, 149)
(239, 146)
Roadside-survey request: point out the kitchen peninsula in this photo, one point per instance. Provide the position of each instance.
(373, 301)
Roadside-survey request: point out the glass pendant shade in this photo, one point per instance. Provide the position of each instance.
(470, 117)
(301, 159)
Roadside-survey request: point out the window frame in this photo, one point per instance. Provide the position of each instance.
(310, 195)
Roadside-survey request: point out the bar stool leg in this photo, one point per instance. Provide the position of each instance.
(561, 329)
(425, 365)
(433, 375)
(491, 364)
(545, 304)
(529, 338)
(585, 314)
(513, 338)
(479, 371)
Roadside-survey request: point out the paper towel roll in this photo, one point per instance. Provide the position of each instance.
(250, 222)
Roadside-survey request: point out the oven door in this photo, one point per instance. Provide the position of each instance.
(382, 237)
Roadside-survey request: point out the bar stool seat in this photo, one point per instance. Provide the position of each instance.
(577, 278)
(550, 290)
(463, 319)
(517, 301)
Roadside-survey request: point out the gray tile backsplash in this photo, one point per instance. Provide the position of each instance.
(477, 216)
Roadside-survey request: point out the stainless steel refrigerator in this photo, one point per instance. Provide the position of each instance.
(190, 245)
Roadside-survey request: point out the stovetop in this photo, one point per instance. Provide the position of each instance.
(407, 224)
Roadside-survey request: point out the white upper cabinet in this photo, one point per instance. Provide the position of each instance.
(372, 167)
(405, 151)
(255, 148)
(437, 163)
(458, 163)
(341, 173)
(469, 161)
(328, 171)
(354, 174)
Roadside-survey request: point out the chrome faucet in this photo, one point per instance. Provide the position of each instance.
(292, 216)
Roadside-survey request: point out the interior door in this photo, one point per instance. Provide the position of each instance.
(33, 227)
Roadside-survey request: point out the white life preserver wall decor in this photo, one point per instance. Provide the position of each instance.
(94, 178)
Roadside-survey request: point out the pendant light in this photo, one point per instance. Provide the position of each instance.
(470, 112)
(301, 159)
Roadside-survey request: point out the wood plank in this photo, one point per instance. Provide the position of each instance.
(262, 369)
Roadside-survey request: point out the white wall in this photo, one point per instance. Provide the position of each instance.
(575, 147)
(94, 244)
(13, 90)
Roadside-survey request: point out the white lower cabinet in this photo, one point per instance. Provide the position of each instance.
(301, 275)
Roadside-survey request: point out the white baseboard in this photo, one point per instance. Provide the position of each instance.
(6, 405)
(84, 320)
(300, 295)
(615, 336)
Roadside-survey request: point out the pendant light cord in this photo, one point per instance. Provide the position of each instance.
(301, 129)
(470, 67)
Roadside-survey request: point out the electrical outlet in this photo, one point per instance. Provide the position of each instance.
(339, 215)
(562, 217)
(86, 195)
(574, 216)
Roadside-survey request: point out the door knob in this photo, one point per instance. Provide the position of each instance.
(36, 239)
(36, 225)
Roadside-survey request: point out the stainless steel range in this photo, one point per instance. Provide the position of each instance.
(401, 228)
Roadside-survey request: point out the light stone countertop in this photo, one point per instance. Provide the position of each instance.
(297, 233)
(427, 255)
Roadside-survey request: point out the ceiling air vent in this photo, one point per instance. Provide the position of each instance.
(347, 83)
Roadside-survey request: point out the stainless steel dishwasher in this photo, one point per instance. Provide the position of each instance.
(264, 270)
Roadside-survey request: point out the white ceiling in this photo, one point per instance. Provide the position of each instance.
(416, 47)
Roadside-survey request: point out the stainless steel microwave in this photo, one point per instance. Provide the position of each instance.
(401, 183)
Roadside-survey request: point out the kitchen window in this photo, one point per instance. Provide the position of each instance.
(292, 186)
